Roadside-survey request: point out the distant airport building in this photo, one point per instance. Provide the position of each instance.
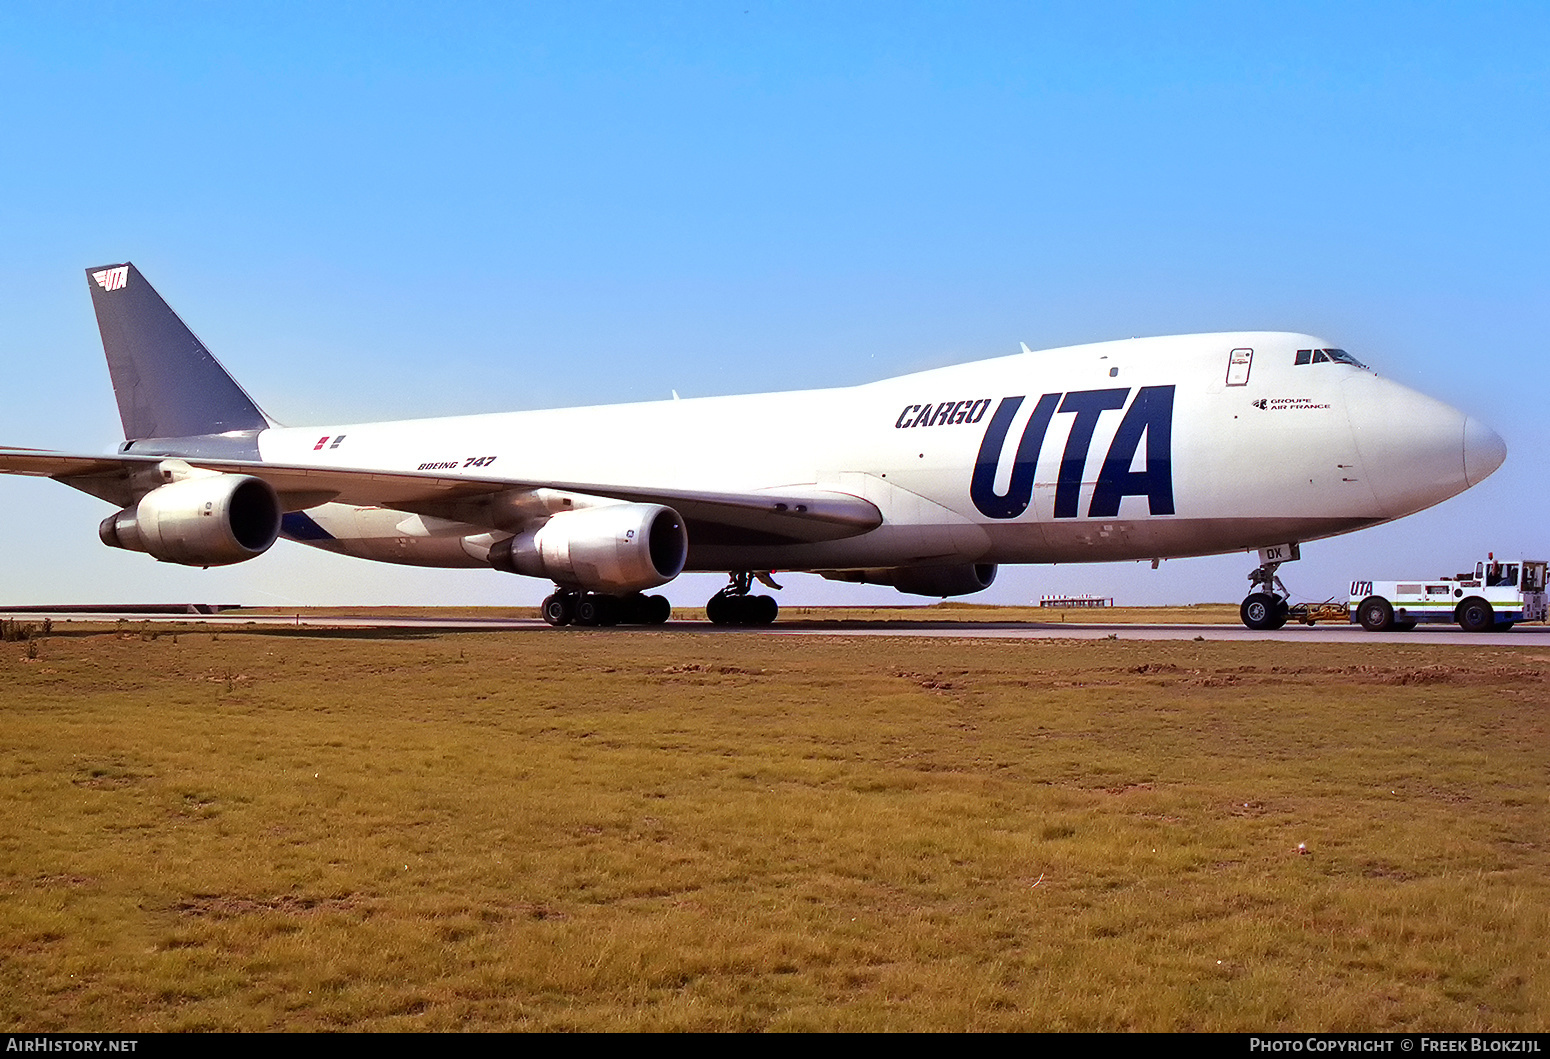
(1076, 601)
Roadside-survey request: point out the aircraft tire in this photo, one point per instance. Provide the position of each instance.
(741, 610)
(558, 609)
(1476, 615)
(1263, 612)
(632, 609)
(594, 608)
(764, 610)
(656, 610)
(1375, 614)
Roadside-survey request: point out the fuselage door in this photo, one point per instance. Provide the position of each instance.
(1238, 363)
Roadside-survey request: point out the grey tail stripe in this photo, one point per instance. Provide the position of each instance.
(167, 383)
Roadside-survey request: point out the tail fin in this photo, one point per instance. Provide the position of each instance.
(167, 383)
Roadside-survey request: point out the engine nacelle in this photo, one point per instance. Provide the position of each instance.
(959, 579)
(615, 549)
(212, 521)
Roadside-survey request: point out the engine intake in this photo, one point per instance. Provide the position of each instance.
(213, 521)
(959, 579)
(616, 548)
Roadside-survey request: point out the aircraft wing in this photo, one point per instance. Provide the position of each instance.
(773, 516)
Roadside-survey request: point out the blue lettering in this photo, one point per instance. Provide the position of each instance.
(1088, 406)
(1151, 413)
(1019, 491)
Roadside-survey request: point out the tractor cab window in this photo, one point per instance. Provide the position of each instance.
(1501, 575)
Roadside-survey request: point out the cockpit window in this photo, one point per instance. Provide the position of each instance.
(1326, 356)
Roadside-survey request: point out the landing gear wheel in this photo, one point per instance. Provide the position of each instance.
(632, 608)
(1263, 612)
(1375, 614)
(1476, 615)
(639, 609)
(559, 609)
(1283, 608)
(1265, 609)
(656, 610)
(734, 606)
(567, 606)
(764, 610)
(597, 609)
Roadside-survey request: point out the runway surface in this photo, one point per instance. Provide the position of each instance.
(1521, 636)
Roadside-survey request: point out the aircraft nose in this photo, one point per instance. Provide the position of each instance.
(1416, 450)
(1484, 451)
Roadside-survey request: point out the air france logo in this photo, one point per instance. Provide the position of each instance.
(1150, 416)
(112, 278)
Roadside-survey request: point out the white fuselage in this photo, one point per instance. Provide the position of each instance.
(1147, 448)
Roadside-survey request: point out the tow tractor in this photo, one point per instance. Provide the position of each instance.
(1492, 598)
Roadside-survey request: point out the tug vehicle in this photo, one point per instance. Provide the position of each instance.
(1491, 598)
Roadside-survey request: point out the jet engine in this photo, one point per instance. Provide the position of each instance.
(211, 521)
(959, 579)
(616, 548)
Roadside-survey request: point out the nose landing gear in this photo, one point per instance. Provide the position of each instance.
(734, 606)
(1266, 608)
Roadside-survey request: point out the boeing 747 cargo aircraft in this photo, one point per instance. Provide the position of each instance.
(1149, 448)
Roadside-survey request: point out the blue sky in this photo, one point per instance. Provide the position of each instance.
(371, 211)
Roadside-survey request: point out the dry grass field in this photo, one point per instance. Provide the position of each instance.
(602, 830)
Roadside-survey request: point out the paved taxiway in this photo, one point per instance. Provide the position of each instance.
(1522, 636)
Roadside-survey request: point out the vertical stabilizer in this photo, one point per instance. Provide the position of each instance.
(167, 383)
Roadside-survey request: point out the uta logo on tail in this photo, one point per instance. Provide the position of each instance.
(112, 278)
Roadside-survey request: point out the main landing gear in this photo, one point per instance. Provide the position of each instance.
(734, 606)
(1266, 607)
(567, 606)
